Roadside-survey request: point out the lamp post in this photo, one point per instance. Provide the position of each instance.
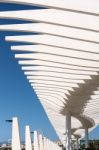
(9, 121)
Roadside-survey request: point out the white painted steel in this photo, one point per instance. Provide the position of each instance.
(86, 6)
(54, 16)
(51, 29)
(56, 64)
(60, 42)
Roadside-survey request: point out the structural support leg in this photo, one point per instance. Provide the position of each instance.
(68, 131)
(45, 143)
(16, 145)
(86, 138)
(28, 143)
(36, 141)
(77, 143)
(41, 144)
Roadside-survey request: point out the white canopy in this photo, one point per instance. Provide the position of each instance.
(61, 61)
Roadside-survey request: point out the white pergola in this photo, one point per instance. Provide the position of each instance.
(61, 61)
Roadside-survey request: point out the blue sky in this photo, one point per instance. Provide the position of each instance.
(17, 98)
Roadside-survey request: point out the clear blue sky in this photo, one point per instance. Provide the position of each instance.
(17, 98)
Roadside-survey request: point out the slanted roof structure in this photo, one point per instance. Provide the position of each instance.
(61, 61)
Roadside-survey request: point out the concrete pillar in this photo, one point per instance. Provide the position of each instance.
(86, 138)
(36, 141)
(68, 131)
(41, 144)
(16, 144)
(49, 145)
(52, 146)
(45, 143)
(28, 143)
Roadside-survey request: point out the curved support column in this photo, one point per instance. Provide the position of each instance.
(16, 144)
(68, 131)
(28, 143)
(77, 143)
(86, 138)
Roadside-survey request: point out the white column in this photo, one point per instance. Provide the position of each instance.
(36, 141)
(41, 144)
(56, 148)
(16, 144)
(45, 144)
(52, 145)
(28, 143)
(68, 131)
(48, 145)
(86, 138)
(77, 142)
